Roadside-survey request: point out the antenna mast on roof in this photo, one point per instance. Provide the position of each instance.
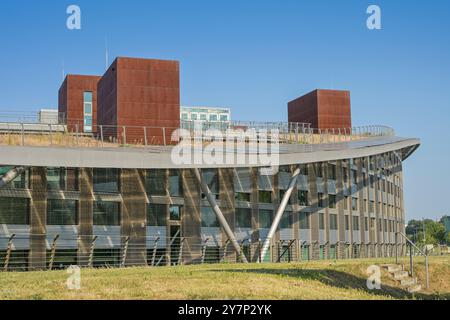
(106, 54)
(63, 71)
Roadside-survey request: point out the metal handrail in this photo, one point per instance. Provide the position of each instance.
(412, 245)
(74, 133)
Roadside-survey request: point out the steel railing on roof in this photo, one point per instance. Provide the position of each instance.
(76, 134)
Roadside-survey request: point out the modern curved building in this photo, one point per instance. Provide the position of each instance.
(132, 190)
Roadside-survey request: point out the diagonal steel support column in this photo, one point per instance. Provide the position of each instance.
(10, 176)
(280, 211)
(223, 222)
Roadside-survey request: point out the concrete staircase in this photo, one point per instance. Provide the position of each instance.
(398, 273)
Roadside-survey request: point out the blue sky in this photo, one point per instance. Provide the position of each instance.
(255, 56)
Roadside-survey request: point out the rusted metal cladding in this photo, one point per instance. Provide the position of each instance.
(71, 100)
(138, 93)
(323, 109)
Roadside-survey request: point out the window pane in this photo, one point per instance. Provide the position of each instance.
(211, 178)
(62, 212)
(175, 185)
(175, 213)
(333, 221)
(106, 213)
(106, 180)
(156, 215)
(265, 218)
(14, 211)
(303, 198)
(155, 182)
(87, 109)
(56, 178)
(209, 219)
(320, 198)
(243, 218)
(321, 221)
(265, 197)
(286, 221)
(240, 196)
(87, 96)
(332, 201)
(303, 220)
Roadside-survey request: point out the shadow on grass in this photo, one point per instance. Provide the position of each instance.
(341, 280)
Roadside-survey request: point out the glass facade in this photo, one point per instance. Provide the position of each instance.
(155, 183)
(62, 212)
(14, 211)
(106, 213)
(209, 219)
(175, 183)
(157, 215)
(265, 218)
(56, 178)
(106, 180)
(243, 218)
(175, 213)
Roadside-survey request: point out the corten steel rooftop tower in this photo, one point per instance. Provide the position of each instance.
(323, 109)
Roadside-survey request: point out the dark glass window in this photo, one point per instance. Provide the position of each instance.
(155, 182)
(320, 200)
(175, 213)
(56, 178)
(211, 177)
(303, 198)
(332, 201)
(106, 180)
(347, 222)
(321, 221)
(243, 218)
(354, 204)
(333, 222)
(304, 169)
(240, 196)
(353, 173)
(175, 183)
(319, 173)
(209, 219)
(14, 211)
(355, 223)
(265, 197)
(331, 171)
(303, 220)
(106, 213)
(286, 221)
(345, 203)
(366, 224)
(62, 212)
(265, 218)
(156, 215)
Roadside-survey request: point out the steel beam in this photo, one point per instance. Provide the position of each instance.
(279, 214)
(10, 176)
(223, 222)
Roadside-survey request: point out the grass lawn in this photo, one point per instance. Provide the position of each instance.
(344, 279)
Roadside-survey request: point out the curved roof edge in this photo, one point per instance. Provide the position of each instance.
(160, 158)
